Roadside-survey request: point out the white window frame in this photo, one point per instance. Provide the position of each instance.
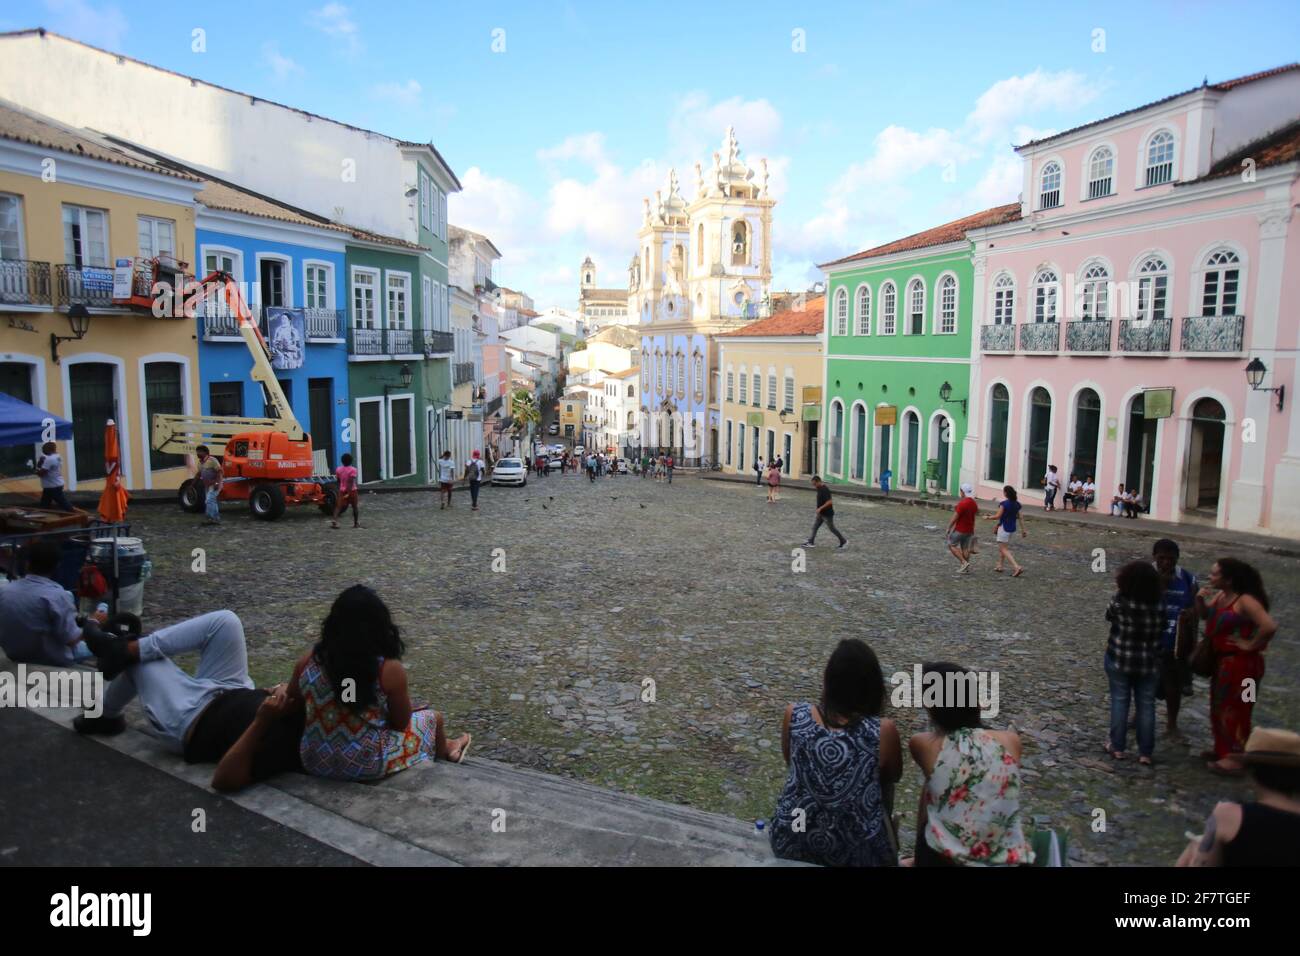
(426, 302)
(377, 301)
(938, 328)
(154, 222)
(409, 312)
(731, 384)
(862, 309)
(1053, 295)
(1093, 298)
(168, 358)
(108, 235)
(1141, 277)
(236, 270)
(771, 389)
(286, 265)
(912, 283)
(1204, 267)
(888, 317)
(744, 385)
(788, 390)
(841, 311)
(388, 445)
(307, 266)
(1004, 285)
(1041, 193)
(1144, 158)
(363, 479)
(1088, 179)
(22, 241)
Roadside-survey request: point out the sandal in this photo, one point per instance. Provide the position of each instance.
(1219, 770)
(1114, 754)
(1145, 761)
(460, 758)
(998, 570)
(1018, 572)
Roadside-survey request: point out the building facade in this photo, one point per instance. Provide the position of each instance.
(1156, 255)
(597, 307)
(772, 390)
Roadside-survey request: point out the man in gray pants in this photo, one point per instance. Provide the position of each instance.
(825, 514)
(214, 715)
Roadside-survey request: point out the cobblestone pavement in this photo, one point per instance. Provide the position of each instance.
(691, 585)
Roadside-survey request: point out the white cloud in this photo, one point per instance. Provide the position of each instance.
(698, 126)
(282, 66)
(404, 94)
(497, 208)
(1007, 101)
(104, 26)
(335, 20)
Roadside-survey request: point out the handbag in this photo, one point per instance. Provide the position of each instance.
(1201, 662)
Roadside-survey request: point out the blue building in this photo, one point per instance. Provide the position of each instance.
(290, 266)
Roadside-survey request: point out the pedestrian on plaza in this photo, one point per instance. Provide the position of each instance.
(773, 482)
(446, 478)
(1179, 635)
(668, 466)
(1133, 507)
(346, 496)
(474, 472)
(210, 475)
(970, 803)
(1051, 485)
(1265, 831)
(1137, 621)
(1072, 492)
(1235, 607)
(844, 760)
(758, 470)
(1118, 502)
(961, 529)
(49, 467)
(645, 465)
(1007, 517)
(1089, 493)
(886, 477)
(825, 514)
(591, 467)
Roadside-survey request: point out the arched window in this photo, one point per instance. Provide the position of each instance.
(1087, 429)
(1221, 280)
(915, 308)
(888, 308)
(1094, 289)
(744, 386)
(740, 243)
(1004, 301)
(699, 375)
(789, 390)
(1047, 288)
(699, 245)
(864, 310)
(681, 376)
(758, 388)
(1049, 192)
(631, 393)
(731, 384)
(858, 468)
(771, 388)
(1101, 172)
(948, 305)
(1160, 158)
(1040, 431)
(835, 453)
(842, 312)
(588, 279)
(1153, 288)
(999, 416)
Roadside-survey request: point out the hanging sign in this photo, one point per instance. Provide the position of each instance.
(1158, 402)
(886, 414)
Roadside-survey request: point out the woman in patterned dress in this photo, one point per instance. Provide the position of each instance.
(359, 723)
(844, 760)
(1239, 628)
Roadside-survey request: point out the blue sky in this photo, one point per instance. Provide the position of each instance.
(891, 119)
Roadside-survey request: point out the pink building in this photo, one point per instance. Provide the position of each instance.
(1156, 254)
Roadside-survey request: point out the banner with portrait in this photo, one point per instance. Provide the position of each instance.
(286, 337)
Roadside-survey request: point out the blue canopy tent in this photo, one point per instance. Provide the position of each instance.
(23, 424)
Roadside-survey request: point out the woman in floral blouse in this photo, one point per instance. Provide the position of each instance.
(970, 804)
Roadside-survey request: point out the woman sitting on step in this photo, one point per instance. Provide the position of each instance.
(359, 722)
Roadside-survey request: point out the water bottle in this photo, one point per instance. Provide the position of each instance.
(146, 570)
(760, 827)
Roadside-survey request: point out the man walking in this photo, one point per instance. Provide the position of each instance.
(758, 471)
(1180, 589)
(50, 468)
(668, 466)
(446, 476)
(825, 514)
(961, 529)
(210, 475)
(474, 472)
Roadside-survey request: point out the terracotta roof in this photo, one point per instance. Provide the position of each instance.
(365, 235)
(1222, 87)
(216, 195)
(605, 294)
(24, 126)
(626, 373)
(1278, 147)
(529, 312)
(805, 321)
(948, 232)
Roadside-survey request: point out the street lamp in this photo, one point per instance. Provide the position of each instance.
(1255, 376)
(404, 376)
(79, 320)
(945, 395)
(788, 411)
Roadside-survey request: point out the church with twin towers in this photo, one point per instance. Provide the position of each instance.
(702, 267)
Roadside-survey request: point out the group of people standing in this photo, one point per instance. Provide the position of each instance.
(660, 467)
(771, 475)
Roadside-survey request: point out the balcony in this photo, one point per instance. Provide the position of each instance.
(323, 323)
(492, 406)
(1040, 337)
(1088, 335)
(438, 343)
(219, 321)
(1145, 337)
(90, 286)
(1213, 333)
(462, 372)
(24, 283)
(998, 338)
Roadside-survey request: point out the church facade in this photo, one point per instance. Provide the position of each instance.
(701, 268)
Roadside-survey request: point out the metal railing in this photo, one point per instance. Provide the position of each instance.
(438, 342)
(1088, 335)
(24, 282)
(998, 338)
(323, 323)
(1149, 336)
(91, 286)
(1213, 333)
(1040, 337)
(492, 405)
(462, 372)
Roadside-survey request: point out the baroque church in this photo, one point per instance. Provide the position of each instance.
(701, 267)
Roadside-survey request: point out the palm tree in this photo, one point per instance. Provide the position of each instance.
(526, 415)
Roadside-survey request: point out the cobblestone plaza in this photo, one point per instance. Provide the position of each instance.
(543, 649)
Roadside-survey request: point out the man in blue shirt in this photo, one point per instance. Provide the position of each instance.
(39, 614)
(1180, 616)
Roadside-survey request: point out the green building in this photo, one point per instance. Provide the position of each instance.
(400, 344)
(898, 351)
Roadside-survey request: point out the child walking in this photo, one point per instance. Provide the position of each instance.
(347, 493)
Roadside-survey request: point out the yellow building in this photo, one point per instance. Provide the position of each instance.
(771, 390)
(571, 412)
(84, 223)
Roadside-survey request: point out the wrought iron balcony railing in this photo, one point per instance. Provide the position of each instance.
(91, 286)
(323, 323)
(998, 338)
(219, 321)
(492, 405)
(436, 343)
(1213, 333)
(23, 282)
(1088, 335)
(1149, 336)
(1040, 337)
(463, 372)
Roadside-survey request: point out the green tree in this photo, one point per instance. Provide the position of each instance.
(526, 414)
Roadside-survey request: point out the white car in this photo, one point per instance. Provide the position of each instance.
(553, 428)
(510, 471)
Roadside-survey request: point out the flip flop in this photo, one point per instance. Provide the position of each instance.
(1114, 754)
(464, 750)
(998, 570)
(1018, 572)
(1220, 771)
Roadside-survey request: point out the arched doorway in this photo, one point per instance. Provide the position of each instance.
(1205, 458)
(1040, 431)
(1140, 450)
(1087, 429)
(859, 442)
(999, 416)
(835, 448)
(940, 447)
(911, 449)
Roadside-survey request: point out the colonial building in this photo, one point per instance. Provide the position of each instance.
(898, 335)
(772, 390)
(701, 268)
(597, 307)
(1156, 254)
(622, 412)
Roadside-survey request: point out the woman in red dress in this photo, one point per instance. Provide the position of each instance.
(1235, 607)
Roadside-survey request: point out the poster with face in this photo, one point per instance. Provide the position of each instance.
(286, 337)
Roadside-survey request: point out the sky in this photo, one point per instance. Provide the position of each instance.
(878, 120)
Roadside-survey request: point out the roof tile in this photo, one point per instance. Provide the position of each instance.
(805, 321)
(949, 232)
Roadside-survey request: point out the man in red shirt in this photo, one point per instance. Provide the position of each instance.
(961, 529)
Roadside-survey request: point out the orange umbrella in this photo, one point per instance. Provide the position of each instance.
(112, 503)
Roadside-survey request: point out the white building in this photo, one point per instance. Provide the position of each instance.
(622, 411)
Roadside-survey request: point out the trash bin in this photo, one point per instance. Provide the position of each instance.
(133, 569)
